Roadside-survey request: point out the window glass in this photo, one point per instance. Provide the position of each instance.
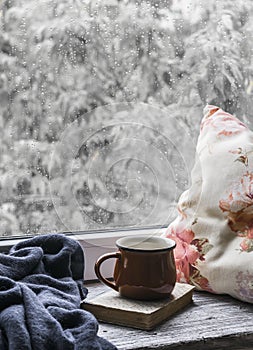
(100, 105)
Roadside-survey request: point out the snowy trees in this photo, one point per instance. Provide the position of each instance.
(61, 59)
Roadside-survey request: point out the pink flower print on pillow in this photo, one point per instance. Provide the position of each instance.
(185, 253)
(188, 252)
(223, 122)
(238, 205)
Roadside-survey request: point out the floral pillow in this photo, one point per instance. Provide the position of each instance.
(214, 227)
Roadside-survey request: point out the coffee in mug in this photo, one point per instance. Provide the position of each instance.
(144, 269)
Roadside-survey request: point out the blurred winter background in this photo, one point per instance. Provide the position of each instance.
(69, 67)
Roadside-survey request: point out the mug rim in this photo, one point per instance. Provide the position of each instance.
(120, 244)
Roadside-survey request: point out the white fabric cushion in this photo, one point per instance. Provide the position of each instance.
(214, 227)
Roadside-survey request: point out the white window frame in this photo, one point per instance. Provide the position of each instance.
(95, 243)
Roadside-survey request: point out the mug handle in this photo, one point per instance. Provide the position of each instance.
(98, 265)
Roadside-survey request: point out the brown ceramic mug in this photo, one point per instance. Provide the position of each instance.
(144, 269)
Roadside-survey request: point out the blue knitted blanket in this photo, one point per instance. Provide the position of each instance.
(41, 286)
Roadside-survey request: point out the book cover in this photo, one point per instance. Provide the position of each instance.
(110, 307)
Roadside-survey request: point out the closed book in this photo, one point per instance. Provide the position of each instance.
(110, 307)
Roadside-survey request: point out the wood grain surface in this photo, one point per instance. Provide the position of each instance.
(211, 322)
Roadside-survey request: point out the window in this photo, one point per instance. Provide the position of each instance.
(101, 103)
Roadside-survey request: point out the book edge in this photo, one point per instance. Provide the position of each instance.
(145, 321)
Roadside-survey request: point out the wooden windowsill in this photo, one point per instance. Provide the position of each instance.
(211, 322)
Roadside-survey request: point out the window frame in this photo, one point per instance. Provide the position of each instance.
(94, 243)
